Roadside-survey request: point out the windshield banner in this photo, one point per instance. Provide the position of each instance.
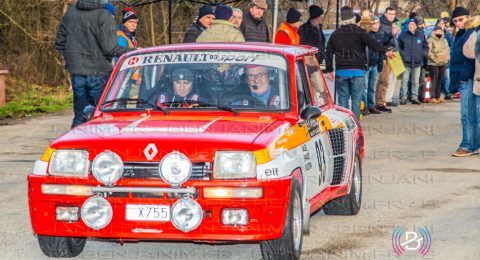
(199, 57)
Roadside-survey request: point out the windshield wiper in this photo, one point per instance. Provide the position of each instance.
(201, 103)
(138, 100)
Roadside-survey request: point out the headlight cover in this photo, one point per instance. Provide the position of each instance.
(234, 165)
(175, 168)
(69, 163)
(107, 167)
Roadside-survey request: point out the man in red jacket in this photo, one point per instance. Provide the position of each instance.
(287, 32)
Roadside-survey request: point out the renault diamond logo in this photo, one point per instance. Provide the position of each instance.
(150, 151)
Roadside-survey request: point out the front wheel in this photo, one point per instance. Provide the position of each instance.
(289, 245)
(61, 246)
(349, 204)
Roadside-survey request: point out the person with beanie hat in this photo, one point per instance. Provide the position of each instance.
(311, 32)
(287, 32)
(254, 27)
(462, 75)
(126, 30)
(88, 51)
(349, 44)
(222, 29)
(204, 20)
(413, 49)
(438, 57)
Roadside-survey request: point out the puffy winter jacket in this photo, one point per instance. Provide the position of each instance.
(221, 31)
(386, 27)
(413, 48)
(470, 50)
(87, 38)
(254, 30)
(438, 51)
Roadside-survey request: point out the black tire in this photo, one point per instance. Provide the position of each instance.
(351, 203)
(61, 246)
(285, 248)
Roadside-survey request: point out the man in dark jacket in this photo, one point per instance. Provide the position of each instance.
(462, 70)
(349, 44)
(311, 32)
(413, 48)
(386, 26)
(375, 66)
(254, 27)
(205, 18)
(87, 38)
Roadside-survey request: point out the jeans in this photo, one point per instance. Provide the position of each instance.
(470, 113)
(371, 78)
(415, 82)
(87, 90)
(446, 82)
(350, 87)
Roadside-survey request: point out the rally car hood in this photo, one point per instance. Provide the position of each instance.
(137, 138)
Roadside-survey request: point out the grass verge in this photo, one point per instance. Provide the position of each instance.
(25, 99)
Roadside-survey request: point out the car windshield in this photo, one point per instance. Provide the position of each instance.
(225, 80)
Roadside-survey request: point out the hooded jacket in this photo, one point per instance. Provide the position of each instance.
(413, 48)
(470, 50)
(221, 31)
(438, 51)
(87, 38)
(192, 34)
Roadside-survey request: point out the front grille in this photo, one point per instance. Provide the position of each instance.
(337, 138)
(149, 170)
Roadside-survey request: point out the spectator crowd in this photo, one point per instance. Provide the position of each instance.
(358, 55)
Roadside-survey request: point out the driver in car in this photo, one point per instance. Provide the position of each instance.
(259, 88)
(183, 88)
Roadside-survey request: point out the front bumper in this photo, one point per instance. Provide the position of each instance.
(266, 214)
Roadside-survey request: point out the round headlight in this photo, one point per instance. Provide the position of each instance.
(107, 167)
(96, 212)
(187, 214)
(175, 168)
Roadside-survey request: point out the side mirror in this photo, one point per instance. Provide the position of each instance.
(311, 112)
(88, 112)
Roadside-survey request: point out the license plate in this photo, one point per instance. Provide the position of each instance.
(148, 212)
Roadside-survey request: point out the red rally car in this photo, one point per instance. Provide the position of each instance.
(202, 142)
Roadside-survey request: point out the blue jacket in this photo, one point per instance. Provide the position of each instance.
(413, 48)
(461, 67)
(376, 58)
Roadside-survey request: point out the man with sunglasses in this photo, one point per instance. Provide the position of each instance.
(462, 71)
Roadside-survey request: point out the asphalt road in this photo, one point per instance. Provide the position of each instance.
(410, 181)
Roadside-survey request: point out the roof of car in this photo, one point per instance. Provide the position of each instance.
(247, 46)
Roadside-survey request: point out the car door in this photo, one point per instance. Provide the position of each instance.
(315, 151)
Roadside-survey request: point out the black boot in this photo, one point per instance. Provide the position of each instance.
(383, 108)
